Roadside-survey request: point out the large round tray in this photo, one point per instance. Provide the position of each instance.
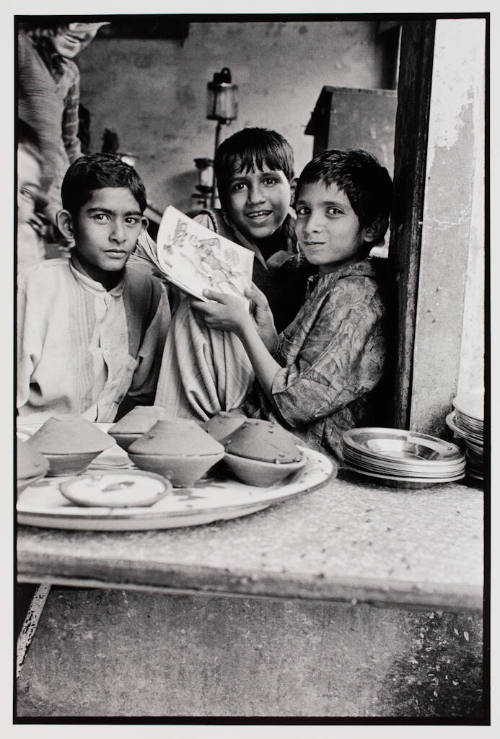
(208, 500)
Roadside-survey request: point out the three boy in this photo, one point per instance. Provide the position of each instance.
(95, 327)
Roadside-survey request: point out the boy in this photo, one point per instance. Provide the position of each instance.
(318, 376)
(254, 174)
(205, 371)
(30, 243)
(91, 329)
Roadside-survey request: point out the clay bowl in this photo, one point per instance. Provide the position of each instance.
(181, 471)
(135, 423)
(69, 443)
(262, 453)
(177, 449)
(69, 464)
(261, 474)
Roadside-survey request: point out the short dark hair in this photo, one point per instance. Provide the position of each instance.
(28, 138)
(361, 177)
(252, 148)
(95, 171)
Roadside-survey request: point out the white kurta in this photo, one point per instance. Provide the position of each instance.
(73, 342)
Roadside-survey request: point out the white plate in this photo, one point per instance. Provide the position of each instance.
(398, 446)
(395, 481)
(471, 437)
(206, 501)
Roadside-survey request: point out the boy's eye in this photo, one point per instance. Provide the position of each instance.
(301, 210)
(270, 181)
(100, 217)
(237, 186)
(333, 211)
(132, 220)
(27, 193)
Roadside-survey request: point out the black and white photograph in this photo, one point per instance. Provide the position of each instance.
(250, 410)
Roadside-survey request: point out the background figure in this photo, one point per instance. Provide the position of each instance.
(30, 198)
(49, 95)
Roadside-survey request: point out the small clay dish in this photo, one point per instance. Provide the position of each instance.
(135, 423)
(177, 449)
(222, 425)
(116, 489)
(261, 474)
(69, 443)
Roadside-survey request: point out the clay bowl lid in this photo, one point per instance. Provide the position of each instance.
(223, 424)
(265, 441)
(138, 420)
(174, 437)
(69, 435)
(30, 462)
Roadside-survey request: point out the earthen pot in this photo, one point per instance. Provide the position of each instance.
(262, 453)
(69, 443)
(178, 449)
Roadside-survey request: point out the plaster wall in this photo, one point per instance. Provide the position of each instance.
(449, 336)
(153, 92)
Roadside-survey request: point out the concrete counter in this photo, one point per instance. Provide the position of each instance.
(354, 600)
(348, 541)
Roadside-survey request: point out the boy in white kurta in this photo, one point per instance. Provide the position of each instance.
(90, 329)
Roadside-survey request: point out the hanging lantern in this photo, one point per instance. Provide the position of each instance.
(222, 101)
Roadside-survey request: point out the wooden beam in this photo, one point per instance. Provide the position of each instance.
(410, 152)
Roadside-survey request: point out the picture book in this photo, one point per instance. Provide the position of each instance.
(194, 258)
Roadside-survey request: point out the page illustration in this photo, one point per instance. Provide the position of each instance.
(195, 258)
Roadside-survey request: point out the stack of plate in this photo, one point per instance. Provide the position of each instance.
(467, 423)
(402, 458)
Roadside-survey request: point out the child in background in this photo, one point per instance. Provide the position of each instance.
(49, 94)
(204, 371)
(91, 329)
(318, 376)
(30, 242)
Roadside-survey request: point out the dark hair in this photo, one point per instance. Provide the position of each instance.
(28, 138)
(361, 177)
(95, 171)
(249, 149)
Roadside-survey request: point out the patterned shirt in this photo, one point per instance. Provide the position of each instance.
(81, 349)
(332, 358)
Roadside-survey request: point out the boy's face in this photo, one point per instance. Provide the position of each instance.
(106, 231)
(28, 185)
(72, 40)
(258, 202)
(327, 228)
